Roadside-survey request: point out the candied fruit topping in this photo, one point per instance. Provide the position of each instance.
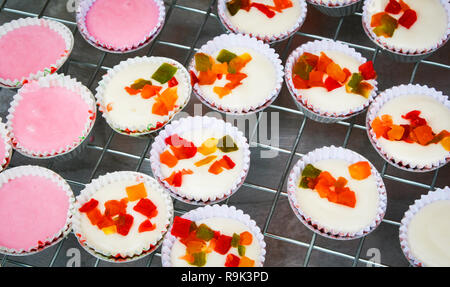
(216, 168)
(393, 7)
(245, 238)
(199, 259)
(360, 170)
(223, 244)
(164, 73)
(168, 159)
(408, 18)
(209, 146)
(226, 144)
(146, 207)
(176, 178)
(204, 232)
(246, 262)
(181, 227)
(225, 56)
(235, 240)
(165, 102)
(146, 226)
(233, 7)
(241, 250)
(114, 207)
(136, 192)
(205, 161)
(110, 230)
(124, 223)
(385, 25)
(202, 62)
(232, 261)
(88, 206)
(367, 71)
(181, 148)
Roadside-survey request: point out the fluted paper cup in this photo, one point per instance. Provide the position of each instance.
(6, 141)
(336, 8)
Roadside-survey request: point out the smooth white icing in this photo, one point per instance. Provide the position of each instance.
(128, 110)
(337, 100)
(256, 22)
(430, 27)
(226, 226)
(338, 217)
(203, 183)
(429, 234)
(116, 243)
(434, 112)
(255, 89)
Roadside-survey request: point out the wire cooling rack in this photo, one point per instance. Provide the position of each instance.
(304, 248)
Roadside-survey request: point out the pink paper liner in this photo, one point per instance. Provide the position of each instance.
(226, 22)
(61, 29)
(400, 54)
(83, 9)
(89, 191)
(4, 136)
(378, 103)
(221, 211)
(333, 152)
(432, 196)
(26, 170)
(198, 122)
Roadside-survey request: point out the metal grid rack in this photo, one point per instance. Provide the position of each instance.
(205, 13)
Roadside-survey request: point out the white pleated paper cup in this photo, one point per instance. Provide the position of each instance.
(84, 7)
(340, 153)
(431, 197)
(149, 127)
(199, 123)
(227, 41)
(215, 211)
(89, 192)
(55, 80)
(228, 24)
(316, 113)
(30, 170)
(380, 101)
(6, 140)
(403, 54)
(336, 8)
(59, 28)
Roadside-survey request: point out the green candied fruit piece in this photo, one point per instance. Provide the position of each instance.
(233, 6)
(304, 182)
(140, 83)
(164, 73)
(387, 27)
(202, 62)
(227, 144)
(225, 56)
(199, 259)
(235, 240)
(302, 68)
(241, 250)
(204, 232)
(310, 171)
(355, 80)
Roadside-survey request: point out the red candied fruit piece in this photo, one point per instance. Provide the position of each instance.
(223, 244)
(105, 221)
(232, 261)
(146, 226)
(331, 84)
(181, 148)
(124, 223)
(299, 83)
(227, 162)
(146, 207)
(414, 118)
(408, 18)
(264, 9)
(172, 82)
(393, 7)
(181, 227)
(94, 216)
(114, 207)
(194, 79)
(88, 206)
(367, 71)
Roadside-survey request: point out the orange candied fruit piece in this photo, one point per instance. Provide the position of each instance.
(205, 161)
(136, 192)
(424, 134)
(445, 142)
(94, 216)
(149, 91)
(323, 62)
(299, 83)
(208, 146)
(131, 91)
(220, 68)
(316, 79)
(168, 159)
(376, 19)
(381, 126)
(206, 78)
(347, 198)
(360, 170)
(109, 107)
(189, 258)
(396, 132)
(165, 102)
(327, 178)
(222, 91)
(336, 73)
(246, 262)
(245, 238)
(215, 168)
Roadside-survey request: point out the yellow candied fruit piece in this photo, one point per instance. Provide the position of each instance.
(208, 147)
(445, 142)
(110, 230)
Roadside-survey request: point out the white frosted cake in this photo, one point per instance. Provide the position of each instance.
(125, 215)
(214, 242)
(411, 24)
(429, 120)
(141, 94)
(331, 197)
(429, 233)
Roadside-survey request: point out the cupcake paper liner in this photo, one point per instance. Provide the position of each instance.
(425, 199)
(61, 29)
(83, 9)
(193, 123)
(336, 8)
(398, 53)
(90, 191)
(379, 102)
(315, 113)
(225, 41)
(60, 81)
(222, 211)
(226, 22)
(139, 130)
(28, 170)
(4, 136)
(325, 153)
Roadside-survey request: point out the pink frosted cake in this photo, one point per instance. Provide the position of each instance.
(36, 46)
(46, 120)
(35, 206)
(121, 24)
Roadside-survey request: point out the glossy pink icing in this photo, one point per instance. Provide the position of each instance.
(28, 50)
(48, 118)
(122, 23)
(32, 209)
